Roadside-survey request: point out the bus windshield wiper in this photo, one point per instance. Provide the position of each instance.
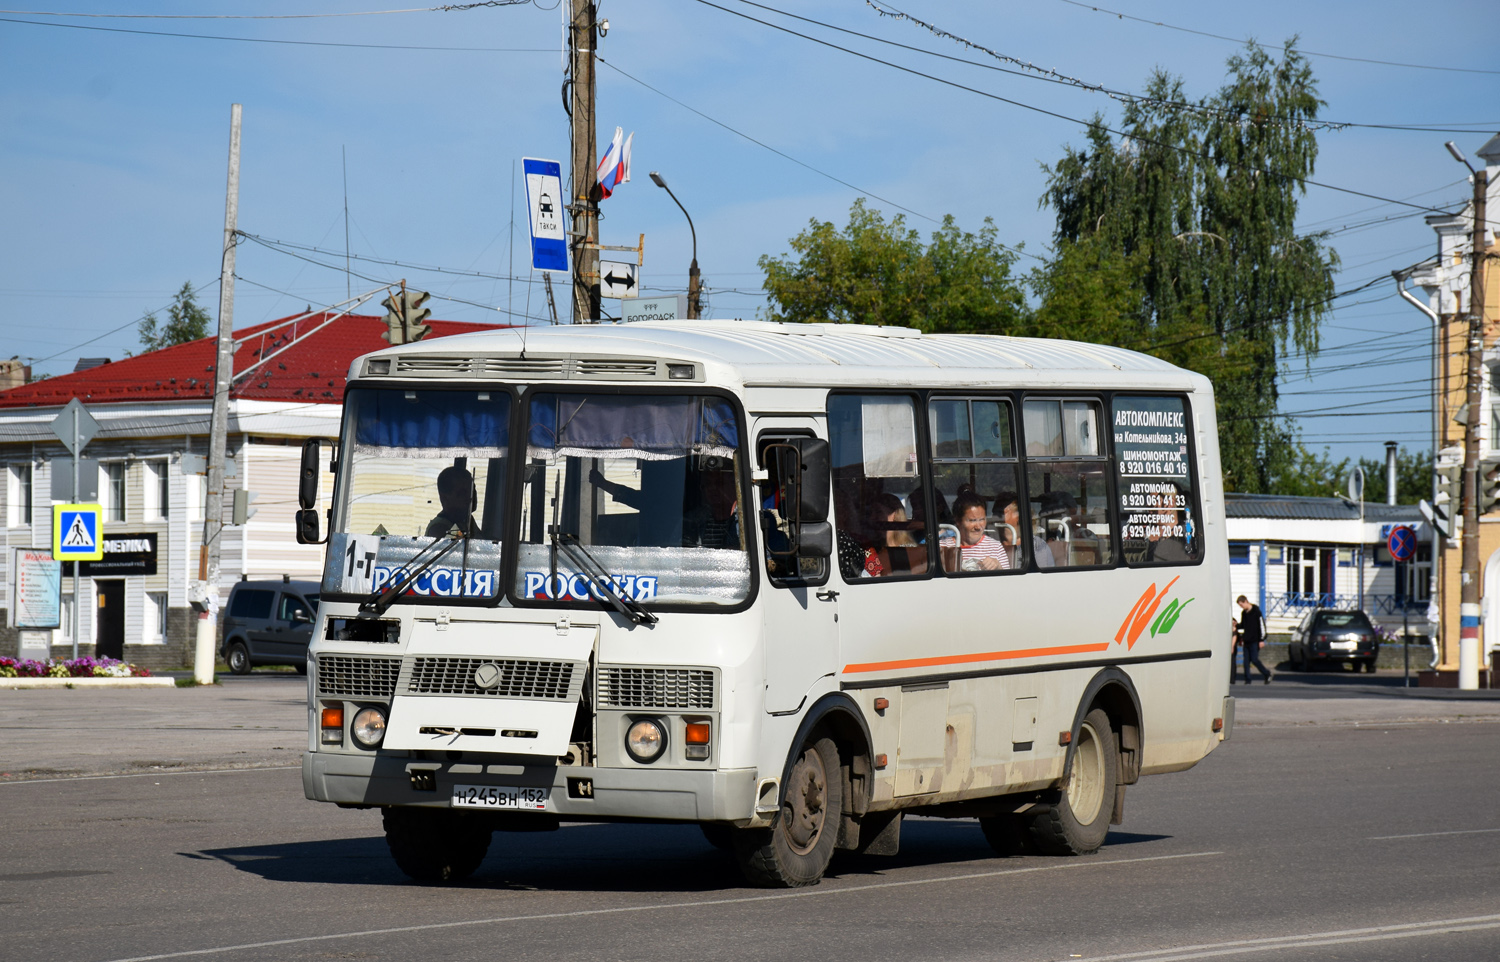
(601, 577)
(379, 601)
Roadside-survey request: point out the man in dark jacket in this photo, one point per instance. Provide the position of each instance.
(1252, 633)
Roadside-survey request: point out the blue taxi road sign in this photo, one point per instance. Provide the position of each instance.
(1402, 543)
(75, 532)
(549, 237)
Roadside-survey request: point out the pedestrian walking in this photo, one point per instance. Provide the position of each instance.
(1234, 645)
(1252, 633)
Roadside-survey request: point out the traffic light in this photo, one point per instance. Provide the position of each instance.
(404, 317)
(242, 512)
(1489, 485)
(1450, 493)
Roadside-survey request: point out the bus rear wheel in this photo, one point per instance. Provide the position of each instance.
(796, 849)
(434, 844)
(1077, 823)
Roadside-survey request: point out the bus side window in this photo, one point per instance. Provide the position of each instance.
(975, 484)
(774, 498)
(1154, 480)
(1067, 484)
(879, 507)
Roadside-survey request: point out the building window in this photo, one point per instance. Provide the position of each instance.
(156, 616)
(158, 490)
(114, 491)
(1239, 554)
(18, 495)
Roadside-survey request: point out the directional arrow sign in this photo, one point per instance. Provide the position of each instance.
(75, 426)
(549, 236)
(619, 279)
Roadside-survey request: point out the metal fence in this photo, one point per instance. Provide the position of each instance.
(1293, 603)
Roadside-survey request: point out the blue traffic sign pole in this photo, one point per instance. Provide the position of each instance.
(1402, 543)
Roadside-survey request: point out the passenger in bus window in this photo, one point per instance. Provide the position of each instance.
(977, 551)
(901, 553)
(455, 487)
(1009, 504)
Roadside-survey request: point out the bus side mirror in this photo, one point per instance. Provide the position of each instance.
(307, 477)
(815, 539)
(813, 479)
(307, 526)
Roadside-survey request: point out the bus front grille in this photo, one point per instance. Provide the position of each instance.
(347, 676)
(512, 678)
(689, 688)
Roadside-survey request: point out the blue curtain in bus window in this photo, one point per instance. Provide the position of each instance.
(433, 422)
(645, 427)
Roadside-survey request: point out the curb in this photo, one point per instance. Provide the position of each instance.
(152, 682)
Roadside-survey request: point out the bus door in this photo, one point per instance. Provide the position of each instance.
(800, 622)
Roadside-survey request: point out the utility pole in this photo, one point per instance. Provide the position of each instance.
(1468, 643)
(213, 503)
(582, 35)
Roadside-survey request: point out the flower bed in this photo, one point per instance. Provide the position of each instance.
(70, 668)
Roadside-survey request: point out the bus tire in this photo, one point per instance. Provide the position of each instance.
(796, 849)
(1078, 822)
(436, 845)
(1008, 834)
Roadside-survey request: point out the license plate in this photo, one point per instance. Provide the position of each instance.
(501, 797)
(1343, 645)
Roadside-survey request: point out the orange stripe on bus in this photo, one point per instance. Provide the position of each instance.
(968, 659)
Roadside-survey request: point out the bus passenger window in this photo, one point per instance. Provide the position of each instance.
(975, 480)
(1067, 484)
(879, 504)
(1158, 520)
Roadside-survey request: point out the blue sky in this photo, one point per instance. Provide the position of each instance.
(112, 161)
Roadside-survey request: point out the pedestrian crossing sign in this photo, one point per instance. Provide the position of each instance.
(75, 532)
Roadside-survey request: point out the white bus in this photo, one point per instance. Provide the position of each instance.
(785, 581)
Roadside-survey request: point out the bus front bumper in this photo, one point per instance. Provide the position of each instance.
(668, 794)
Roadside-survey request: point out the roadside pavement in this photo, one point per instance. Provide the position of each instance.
(260, 720)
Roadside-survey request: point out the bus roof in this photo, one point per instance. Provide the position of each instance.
(766, 353)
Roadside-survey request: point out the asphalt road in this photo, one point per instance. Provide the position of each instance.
(1352, 822)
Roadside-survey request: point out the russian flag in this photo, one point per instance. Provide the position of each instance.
(614, 166)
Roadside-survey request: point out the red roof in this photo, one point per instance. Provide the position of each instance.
(314, 369)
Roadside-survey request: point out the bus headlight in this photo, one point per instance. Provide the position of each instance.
(369, 727)
(646, 740)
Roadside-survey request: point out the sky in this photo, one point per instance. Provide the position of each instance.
(115, 143)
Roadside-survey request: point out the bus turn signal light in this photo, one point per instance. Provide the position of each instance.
(333, 717)
(697, 733)
(1218, 724)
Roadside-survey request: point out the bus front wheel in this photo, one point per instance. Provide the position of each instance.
(436, 845)
(796, 849)
(1077, 823)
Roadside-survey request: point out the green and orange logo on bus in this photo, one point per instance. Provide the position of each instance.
(1145, 609)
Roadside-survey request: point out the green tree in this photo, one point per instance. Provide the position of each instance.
(1201, 201)
(880, 272)
(186, 321)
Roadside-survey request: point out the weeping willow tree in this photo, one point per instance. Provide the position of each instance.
(1194, 209)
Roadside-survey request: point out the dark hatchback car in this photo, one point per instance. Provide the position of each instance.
(1330, 637)
(269, 623)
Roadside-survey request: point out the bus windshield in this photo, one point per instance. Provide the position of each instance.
(641, 490)
(421, 467)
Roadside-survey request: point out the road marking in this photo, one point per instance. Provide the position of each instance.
(620, 910)
(1377, 933)
(1466, 831)
(95, 778)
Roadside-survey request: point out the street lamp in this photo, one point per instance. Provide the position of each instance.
(694, 286)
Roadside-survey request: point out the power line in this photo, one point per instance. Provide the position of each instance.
(122, 327)
(294, 43)
(446, 8)
(1312, 53)
(1050, 113)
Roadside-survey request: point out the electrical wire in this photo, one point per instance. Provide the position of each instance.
(1073, 120)
(1311, 53)
(116, 330)
(294, 43)
(446, 8)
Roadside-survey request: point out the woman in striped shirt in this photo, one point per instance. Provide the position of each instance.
(977, 551)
